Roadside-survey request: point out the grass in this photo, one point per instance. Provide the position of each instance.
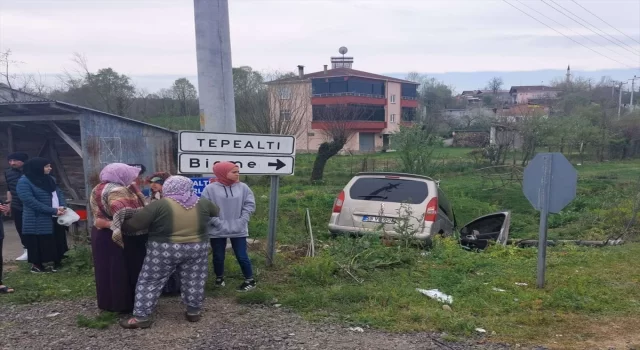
(102, 321)
(590, 291)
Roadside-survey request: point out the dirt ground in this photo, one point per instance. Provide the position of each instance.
(225, 325)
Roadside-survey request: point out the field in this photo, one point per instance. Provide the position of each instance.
(591, 299)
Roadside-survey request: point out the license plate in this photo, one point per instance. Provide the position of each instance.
(378, 219)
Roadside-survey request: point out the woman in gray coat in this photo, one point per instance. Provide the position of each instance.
(236, 202)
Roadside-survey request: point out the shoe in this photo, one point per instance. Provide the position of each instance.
(219, 282)
(135, 323)
(23, 257)
(51, 269)
(247, 285)
(38, 269)
(193, 317)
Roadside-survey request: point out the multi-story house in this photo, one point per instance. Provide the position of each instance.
(388, 102)
(526, 94)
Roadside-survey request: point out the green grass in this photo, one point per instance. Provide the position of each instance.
(585, 286)
(102, 321)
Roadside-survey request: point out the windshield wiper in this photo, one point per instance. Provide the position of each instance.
(373, 196)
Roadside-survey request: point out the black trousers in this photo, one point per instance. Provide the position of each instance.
(1, 259)
(17, 219)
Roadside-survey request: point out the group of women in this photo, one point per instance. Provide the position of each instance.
(140, 246)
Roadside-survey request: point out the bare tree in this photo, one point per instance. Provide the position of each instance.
(276, 108)
(338, 126)
(494, 85)
(186, 94)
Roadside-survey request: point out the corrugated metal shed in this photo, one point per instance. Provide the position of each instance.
(80, 141)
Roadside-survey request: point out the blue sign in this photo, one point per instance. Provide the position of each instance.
(199, 183)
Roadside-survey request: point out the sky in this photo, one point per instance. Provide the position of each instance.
(153, 41)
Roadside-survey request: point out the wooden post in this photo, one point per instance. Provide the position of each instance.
(57, 163)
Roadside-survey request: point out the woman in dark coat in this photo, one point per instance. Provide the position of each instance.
(43, 201)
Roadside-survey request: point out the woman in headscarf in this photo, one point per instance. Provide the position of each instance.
(156, 181)
(117, 259)
(237, 203)
(46, 241)
(177, 226)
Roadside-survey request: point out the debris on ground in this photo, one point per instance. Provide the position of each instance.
(356, 329)
(481, 330)
(498, 289)
(437, 295)
(522, 284)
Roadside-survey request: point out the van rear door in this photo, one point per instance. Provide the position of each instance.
(375, 201)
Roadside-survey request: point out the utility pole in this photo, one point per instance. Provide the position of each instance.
(633, 87)
(215, 77)
(620, 98)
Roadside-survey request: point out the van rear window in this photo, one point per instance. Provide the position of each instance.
(389, 190)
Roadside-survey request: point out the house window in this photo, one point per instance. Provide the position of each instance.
(284, 93)
(392, 118)
(285, 114)
(392, 98)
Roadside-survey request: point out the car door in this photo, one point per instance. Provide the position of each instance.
(478, 233)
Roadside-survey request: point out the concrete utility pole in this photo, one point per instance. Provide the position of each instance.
(633, 87)
(620, 98)
(215, 78)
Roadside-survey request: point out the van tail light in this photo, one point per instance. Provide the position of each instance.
(432, 210)
(337, 205)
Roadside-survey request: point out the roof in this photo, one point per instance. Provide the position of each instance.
(18, 103)
(532, 88)
(9, 95)
(341, 72)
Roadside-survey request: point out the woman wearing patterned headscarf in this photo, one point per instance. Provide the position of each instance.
(117, 259)
(177, 226)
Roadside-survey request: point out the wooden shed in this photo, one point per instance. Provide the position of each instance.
(79, 141)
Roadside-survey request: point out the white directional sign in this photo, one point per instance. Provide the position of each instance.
(199, 163)
(214, 142)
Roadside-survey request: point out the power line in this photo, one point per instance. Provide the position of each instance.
(571, 18)
(605, 22)
(568, 37)
(567, 28)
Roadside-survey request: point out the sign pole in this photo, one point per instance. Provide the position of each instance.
(543, 194)
(273, 217)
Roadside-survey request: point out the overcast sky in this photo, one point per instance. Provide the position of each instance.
(156, 37)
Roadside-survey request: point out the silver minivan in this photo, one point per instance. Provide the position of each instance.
(395, 203)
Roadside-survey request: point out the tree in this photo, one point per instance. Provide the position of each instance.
(275, 108)
(494, 85)
(415, 145)
(186, 95)
(338, 127)
(105, 90)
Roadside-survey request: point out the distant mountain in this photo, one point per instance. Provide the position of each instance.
(478, 80)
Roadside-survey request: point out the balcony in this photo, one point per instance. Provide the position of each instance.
(348, 98)
(355, 125)
(407, 101)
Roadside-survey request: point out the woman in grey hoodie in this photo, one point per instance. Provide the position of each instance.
(236, 202)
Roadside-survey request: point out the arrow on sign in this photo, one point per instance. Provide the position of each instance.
(278, 164)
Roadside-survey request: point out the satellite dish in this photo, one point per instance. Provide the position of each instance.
(343, 50)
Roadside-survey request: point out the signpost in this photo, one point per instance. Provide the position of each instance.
(254, 154)
(549, 183)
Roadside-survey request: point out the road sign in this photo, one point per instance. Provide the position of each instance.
(549, 183)
(222, 143)
(254, 154)
(563, 181)
(257, 164)
(199, 183)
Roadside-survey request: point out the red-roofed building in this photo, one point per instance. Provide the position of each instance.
(389, 102)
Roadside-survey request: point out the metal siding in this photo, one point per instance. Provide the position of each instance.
(110, 140)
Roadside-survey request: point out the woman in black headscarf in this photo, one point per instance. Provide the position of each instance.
(43, 201)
